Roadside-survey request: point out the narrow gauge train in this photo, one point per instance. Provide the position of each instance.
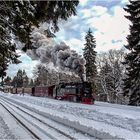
(75, 92)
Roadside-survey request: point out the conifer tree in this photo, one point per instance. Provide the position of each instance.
(90, 56)
(20, 16)
(7, 80)
(131, 87)
(19, 78)
(14, 82)
(7, 48)
(31, 83)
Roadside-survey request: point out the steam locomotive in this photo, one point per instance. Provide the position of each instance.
(75, 92)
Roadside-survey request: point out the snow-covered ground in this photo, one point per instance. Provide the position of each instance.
(102, 120)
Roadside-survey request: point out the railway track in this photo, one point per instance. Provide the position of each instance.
(34, 136)
(40, 126)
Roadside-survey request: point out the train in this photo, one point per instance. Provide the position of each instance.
(74, 92)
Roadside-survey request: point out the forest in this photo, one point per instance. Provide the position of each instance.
(115, 74)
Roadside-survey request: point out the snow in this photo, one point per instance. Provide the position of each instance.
(9, 128)
(101, 120)
(4, 130)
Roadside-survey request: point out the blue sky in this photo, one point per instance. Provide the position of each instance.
(106, 20)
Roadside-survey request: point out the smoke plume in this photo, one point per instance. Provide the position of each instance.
(58, 56)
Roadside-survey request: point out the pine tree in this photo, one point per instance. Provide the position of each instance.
(132, 60)
(31, 83)
(3, 68)
(7, 48)
(19, 78)
(7, 80)
(25, 79)
(20, 16)
(13, 83)
(90, 56)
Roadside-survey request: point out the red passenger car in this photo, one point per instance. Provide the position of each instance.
(43, 91)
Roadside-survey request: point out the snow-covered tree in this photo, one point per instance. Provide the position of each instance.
(110, 74)
(131, 87)
(14, 82)
(3, 68)
(90, 56)
(7, 48)
(31, 82)
(22, 16)
(106, 80)
(21, 79)
(7, 80)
